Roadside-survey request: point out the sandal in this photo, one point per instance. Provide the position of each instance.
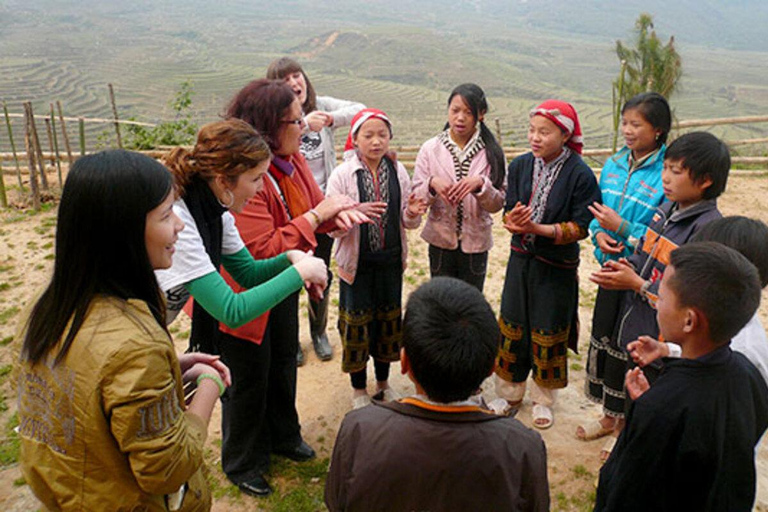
(542, 416)
(607, 448)
(593, 430)
(504, 407)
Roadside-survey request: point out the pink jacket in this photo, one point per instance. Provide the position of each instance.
(343, 180)
(434, 159)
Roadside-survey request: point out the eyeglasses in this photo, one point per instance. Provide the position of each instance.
(297, 122)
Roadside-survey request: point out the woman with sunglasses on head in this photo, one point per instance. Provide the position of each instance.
(323, 115)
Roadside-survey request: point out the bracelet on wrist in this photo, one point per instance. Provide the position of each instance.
(316, 216)
(215, 378)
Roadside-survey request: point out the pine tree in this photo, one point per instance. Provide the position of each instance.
(649, 65)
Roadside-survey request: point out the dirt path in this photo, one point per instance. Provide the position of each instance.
(324, 392)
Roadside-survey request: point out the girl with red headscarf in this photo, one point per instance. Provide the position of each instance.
(371, 257)
(548, 192)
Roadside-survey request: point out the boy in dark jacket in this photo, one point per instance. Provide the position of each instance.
(695, 173)
(690, 438)
(439, 449)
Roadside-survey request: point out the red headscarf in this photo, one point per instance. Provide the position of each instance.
(564, 116)
(357, 121)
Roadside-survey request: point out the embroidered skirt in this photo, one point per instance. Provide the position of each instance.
(607, 361)
(538, 318)
(370, 315)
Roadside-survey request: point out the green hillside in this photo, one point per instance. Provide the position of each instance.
(402, 56)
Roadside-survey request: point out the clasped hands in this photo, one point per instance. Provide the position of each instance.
(453, 193)
(608, 220)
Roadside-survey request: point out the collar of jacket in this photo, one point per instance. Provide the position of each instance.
(419, 409)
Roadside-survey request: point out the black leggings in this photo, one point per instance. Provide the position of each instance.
(381, 369)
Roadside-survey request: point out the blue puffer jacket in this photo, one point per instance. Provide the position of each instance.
(635, 196)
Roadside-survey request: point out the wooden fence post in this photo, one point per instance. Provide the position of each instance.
(13, 146)
(66, 136)
(114, 114)
(498, 132)
(81, 125)
(36, 146)
(31, 160)
(56, 146)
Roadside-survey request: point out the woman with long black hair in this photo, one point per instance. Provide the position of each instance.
(103, 424)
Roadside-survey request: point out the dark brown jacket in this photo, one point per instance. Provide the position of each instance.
(410, 455)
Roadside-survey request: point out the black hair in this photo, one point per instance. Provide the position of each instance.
(718, 281)
(655, 109)
(100, 246)
(474, 97)
(451, 338)
(747, 236)
(705, 156)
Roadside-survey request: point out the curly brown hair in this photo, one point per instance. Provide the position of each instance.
(227, 148)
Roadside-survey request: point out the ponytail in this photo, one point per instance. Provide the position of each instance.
(494, 154)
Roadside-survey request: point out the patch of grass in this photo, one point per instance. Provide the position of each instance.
(410, 280)
(6, 340)
(4, 286)
(19, 482)
(9, 444)
(39, 266)
(5, 268)
(184, 335)
(48, 257)
(576, 367)
(47, 245)
(580, 471)
(7, 314)
(4, 371)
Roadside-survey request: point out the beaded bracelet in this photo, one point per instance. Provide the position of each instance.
(215, 378)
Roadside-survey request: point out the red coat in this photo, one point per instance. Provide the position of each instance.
(267, 231)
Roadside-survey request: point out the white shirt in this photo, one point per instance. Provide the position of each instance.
(191, 261)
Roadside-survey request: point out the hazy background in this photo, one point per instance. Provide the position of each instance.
(403, 56)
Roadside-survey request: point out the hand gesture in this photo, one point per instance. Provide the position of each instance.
(373, 209)
(315, 291)
(295, 255)
(636, 383)
(331, 206)
(606, 216)
(463, 187)
(416, 206)
(312, 270)
(518, 219)
(190, 361)
(317, 120)
(347, 219)
(617, 275)
(607, 244)
(645, 350)
(442, 187)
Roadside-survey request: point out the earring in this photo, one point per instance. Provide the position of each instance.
(230, 200)
(657, 136)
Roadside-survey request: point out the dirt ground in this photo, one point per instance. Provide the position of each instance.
(324, 393)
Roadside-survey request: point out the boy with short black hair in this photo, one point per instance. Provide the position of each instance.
(695, 173)
(689, 440)
(750, 238)
(439, 449)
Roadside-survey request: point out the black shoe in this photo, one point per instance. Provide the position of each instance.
(300, 453)
(257, 486)
(322, 347)
(300, 357)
